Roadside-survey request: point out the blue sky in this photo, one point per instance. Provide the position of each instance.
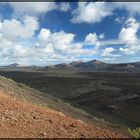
(50, 33)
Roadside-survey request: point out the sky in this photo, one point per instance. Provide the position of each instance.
(47, 33)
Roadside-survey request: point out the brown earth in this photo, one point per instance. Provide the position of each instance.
(23, 119)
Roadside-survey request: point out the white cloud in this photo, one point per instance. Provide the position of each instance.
(110, 42)
(109, 58)
(94, 39)
(14, 29)
(61, 45)
(91, 12)
(64, 6)
(4, 42)
(131, 7)
(86, 12)
(0, 26)
(13, 33)
(128, 35)
(62, 39)
(119, 20)
(108, 51)
(91, 38)
(49, 46)
(37, 8)
(58, 40)
(44, 35)
(127, 51)
(32, 8)
(94, 12)
(102, 36)
(20, 51)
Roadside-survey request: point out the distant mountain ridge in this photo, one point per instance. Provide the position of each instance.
(96, 65)
(93, 65)
(14, 65)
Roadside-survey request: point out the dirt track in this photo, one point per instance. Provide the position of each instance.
(22, 119)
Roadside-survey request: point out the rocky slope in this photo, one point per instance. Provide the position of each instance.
(22, 119)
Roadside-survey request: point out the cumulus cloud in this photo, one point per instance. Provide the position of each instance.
(108, 51)
(91, 12)
(64, 6)
(15, 29)
(120, 20)
(110, 59)
(14, 33)
(37, 8)
(21, 43)
(128, 35)
(132, 7)
(32, 8)
(47, 46)
(128, 32)
(94, 12)
(61, 46)
(91, 38)
(94, 39)
(102, 36)
(127, 38)
(44, 35)
(59, 40)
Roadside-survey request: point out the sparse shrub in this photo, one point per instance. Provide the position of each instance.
(21, 85)
(43, 105)
(23, 98)
(134, 132)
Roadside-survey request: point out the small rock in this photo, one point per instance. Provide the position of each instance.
(24, 114)
(7, 110)
(3, 118)
(50, 121)
(65, 126)
(35, 117)
(30, 126)
(43, 134)
(80, 121)
(61, 114)
(12, 123)
(15, 119)
(11, 112)
(1, 125)
(72, 125)
(82, 135)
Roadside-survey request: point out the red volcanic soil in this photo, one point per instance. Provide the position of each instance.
(21, 119)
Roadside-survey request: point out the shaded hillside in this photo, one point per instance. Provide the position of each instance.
(113, 97)
(20, 91)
